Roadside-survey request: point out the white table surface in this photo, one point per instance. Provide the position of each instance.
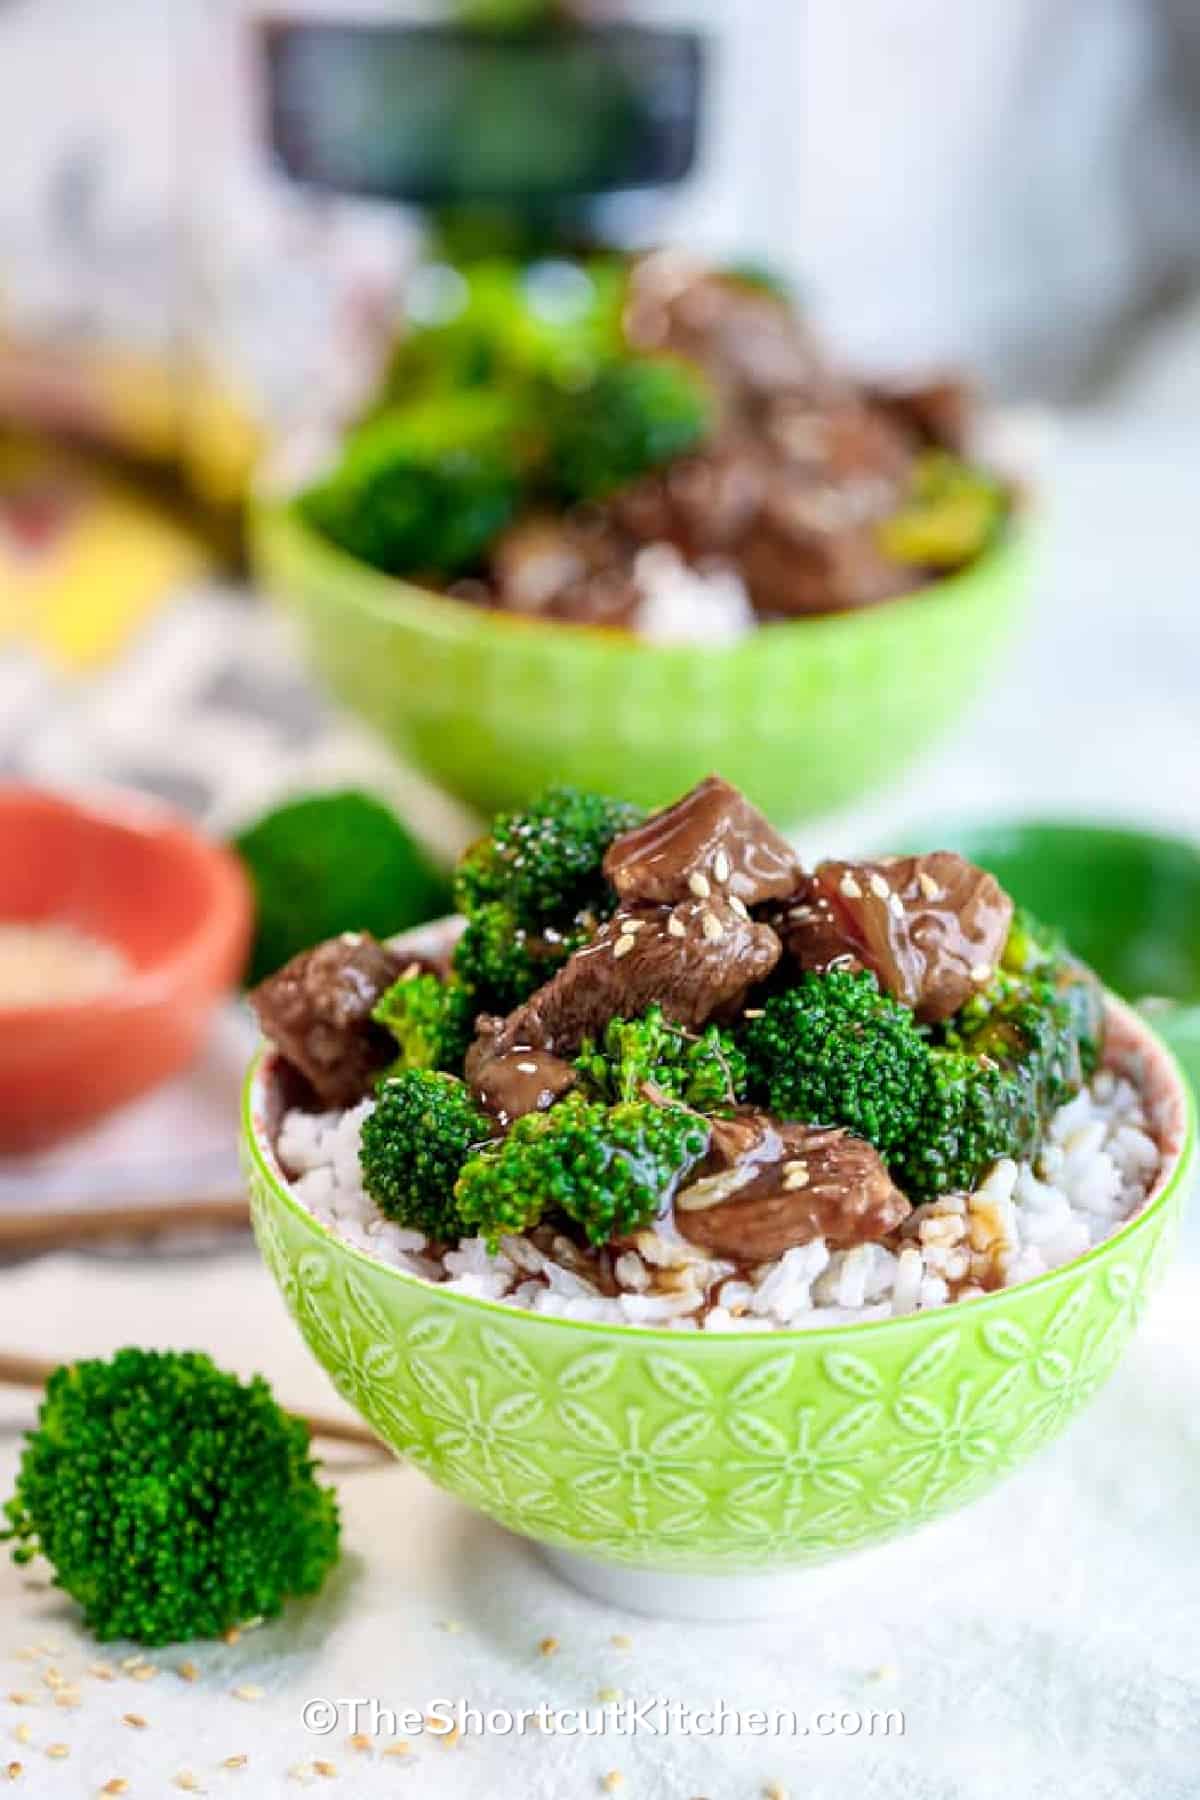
(1046, 1642)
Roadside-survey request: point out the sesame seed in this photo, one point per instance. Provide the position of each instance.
(775, 1790)
(118, 1785)
(850, 888)
(739, 907)
(754, 1012)
(797, 1177)
(699, 885)
(676, 927)
(299, 1771)
(56, 1752)
(401, 1747)
(548, 1646)
(248, 1692)
(135, 1720)
(928, 885)
(130, 1663)
(879, 887)
(15, 1770)
(623, 945)
(23, 1732)
(895, 906)
(981, 972)
(613, 1781)
(452, 1626)
(144, 1671)
(187, 1781)
(103, 1671)
(414, 968)
(621, 1642)
(448, 1739)
(634, 924)
(607, 1696)
(327, 1769)
(359, 1741)
(54, 1678)
(527, 1068)
(712, 927)
(187, 1671)
(721, 866)
(68, 1696)
(236, 1762)
(232, 1635)
(21, 1699)
(800, 913)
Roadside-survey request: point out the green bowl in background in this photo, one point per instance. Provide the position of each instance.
(1128, 902)
(804, 715)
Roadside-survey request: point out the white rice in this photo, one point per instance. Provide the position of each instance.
(1095, 1168)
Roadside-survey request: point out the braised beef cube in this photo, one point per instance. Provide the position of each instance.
(814, 549)
(317, 1011)
(698, 960)
(508, 1083)
(814, 932)
(767, 1186)
(712, 842)
(938, 414)
(703, 504)
(931, 927)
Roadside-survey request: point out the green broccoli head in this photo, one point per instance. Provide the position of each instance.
(544, 864)
(972, 1112)
(636, 414)
(607, 1168)
(706, 1072)
(1039, 953)
(834, 1050)
(431, 1020)
(500, 964)
(328, 863)
(424, 1127)
(173, 1500)
(423, 489)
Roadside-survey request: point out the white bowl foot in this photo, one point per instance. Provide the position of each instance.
(671, 1594)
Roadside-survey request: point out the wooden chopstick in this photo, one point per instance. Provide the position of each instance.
(30, 1372)
(62, 1230)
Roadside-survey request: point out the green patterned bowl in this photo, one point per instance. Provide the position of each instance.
(803, 716)
(685, 1472)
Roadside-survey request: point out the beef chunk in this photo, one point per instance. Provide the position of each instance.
(317, 1011)
(697, 960)
(710, 842)
(703, 504)
(508, 1083)
(766, 1186)
(939, 414)
(569, 568)
(931, 927)
(815, 933)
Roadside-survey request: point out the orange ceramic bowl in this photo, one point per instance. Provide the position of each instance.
(132, 875)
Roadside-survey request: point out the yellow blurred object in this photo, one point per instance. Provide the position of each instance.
(84, 558)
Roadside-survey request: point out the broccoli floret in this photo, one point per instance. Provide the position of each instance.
(706, 1072)
(636, 413)
(423, 1128)
(423, 490)
(1037, 950)
(973, 1111)
(544, 864)
(500, 964)
(329, 863)
(608, 1168)
(173, 1500)
(431, 1020)
(952, 513)
(834, 1050)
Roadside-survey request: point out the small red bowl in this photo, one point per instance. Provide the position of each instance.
(131, 874)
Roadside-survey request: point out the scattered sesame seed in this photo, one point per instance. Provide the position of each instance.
(613, 1781)
(401, 1747)
(56, 1752)
(130, 1663)
(15, 1770)
(232, 1635)
(187, 1781)
(775, 1790)
(527, 1068)
(144, 1671)
(327, 1769)
(879, 886)
(800, 913)
(548, 1646)
(885, 1672)
(895, 906)
(607, 1696)
(54, 1678)
(928, 885)
(981, 972)
(795, 1176)
(135, 1720)
(68, 1697)
(413, 969)
(359, 1740)
(620, 1641)
(739, 907)
(448, 1739)
(699, 885)
(236, 1762)
(20, 1699)
(299, 1771)
(634, 924)
(712, 927)
(676, 926)
(103, 1671)
(452, 1626)
(187, 1671)
(721, 866)
(850, 887)
(248, 1692)
(23, 1733)
(118, 1785)
(623, 945)
(754, 1012)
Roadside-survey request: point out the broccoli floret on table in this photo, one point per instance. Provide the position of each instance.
(607, 1168)
(544, 863)
(431, 1020)
(706, 1072)
(424, 489)
(636, 414)
(173, 1500)
(834, 1050)
(424, 1127)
